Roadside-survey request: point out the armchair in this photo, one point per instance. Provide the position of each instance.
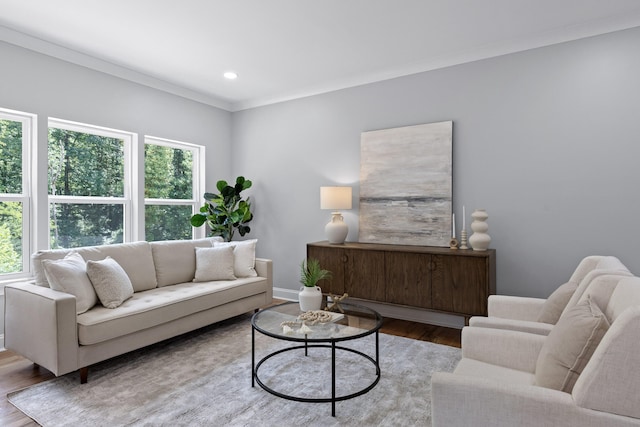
(498, 381)
(538, 315)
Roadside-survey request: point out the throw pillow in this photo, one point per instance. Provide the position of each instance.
(555, 304)
(244, 255)
(70, 275)
(110, 281)
(214, 264)
(569, 346)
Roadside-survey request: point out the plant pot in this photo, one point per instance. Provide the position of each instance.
(310, 298)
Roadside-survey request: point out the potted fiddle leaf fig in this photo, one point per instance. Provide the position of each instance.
(226, 212)
(310, 295)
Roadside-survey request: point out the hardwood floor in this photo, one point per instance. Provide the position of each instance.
(17, 373)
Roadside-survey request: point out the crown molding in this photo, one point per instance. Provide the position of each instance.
(35, 44)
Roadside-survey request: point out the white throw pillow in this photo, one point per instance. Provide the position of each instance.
(244, 254)
(110, 281)
(70, 275)
(214, 264)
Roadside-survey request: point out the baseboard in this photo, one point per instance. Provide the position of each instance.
(393, 311)
(2, 342)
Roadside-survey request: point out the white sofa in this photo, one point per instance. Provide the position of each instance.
(533, 314)
(42, 324)
(500, 380)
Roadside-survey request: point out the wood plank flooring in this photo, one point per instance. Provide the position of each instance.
(17, 373)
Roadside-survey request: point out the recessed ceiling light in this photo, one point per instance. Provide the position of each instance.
(230, 75)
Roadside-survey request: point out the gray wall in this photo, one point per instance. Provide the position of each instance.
(546, 140)
(37, 83)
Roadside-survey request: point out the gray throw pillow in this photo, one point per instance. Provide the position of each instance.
(70, 275)
(555, 304)
(570, 345)
(214, 264)
(110, 281)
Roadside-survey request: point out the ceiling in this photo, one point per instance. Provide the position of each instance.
(286, 49)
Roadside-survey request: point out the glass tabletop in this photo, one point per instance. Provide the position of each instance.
(284, 322)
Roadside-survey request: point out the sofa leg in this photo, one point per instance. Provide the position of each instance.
(84, 375)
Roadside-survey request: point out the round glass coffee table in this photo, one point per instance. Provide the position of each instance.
(281, 322)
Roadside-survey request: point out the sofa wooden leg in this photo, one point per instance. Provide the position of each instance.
(84, 375)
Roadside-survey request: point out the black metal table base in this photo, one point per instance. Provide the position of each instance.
(333, 399)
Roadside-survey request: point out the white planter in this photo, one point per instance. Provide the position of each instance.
(310, 298)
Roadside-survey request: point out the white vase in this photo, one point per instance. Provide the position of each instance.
(310, 298)
(479, 240)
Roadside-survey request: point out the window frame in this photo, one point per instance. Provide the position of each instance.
(129, 140)
(197, 178)
(29, 140)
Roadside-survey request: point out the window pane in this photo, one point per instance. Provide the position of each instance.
(168, 172)
(167, 222)
(10, 237)
(10, 157)
(82, 164)
(75, 225)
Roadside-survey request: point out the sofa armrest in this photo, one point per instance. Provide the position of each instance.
(511, 324)
(511, 307)
(510, 349)
(459, 400)
(264, 268)
(40, 324)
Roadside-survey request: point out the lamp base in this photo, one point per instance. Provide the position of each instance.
(336, 230)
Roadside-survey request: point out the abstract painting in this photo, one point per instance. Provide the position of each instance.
(405, 185)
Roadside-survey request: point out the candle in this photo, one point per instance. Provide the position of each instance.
(453, 225)
(464, 215)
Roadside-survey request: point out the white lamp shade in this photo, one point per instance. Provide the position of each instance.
(335, 198)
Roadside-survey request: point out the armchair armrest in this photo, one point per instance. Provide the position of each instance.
(511, 307)
(510, 349)
(40, 324)
(459, 400)
(511, 324)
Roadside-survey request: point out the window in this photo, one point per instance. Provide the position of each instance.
(172, 188)
(16, 134)
(89, 185)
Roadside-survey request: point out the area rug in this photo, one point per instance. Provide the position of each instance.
(204, 378)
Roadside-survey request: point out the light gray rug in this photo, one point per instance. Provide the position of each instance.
(204, 378)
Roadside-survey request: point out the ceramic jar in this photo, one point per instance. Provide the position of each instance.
(479, 240)
(310, 298)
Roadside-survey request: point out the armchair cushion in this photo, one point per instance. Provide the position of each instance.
(570, 345)
(555, 304)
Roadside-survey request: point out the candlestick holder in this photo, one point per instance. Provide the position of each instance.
(453, 243)
(463, 239)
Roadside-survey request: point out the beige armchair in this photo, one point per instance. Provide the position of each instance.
(510, 378)
(537, 315)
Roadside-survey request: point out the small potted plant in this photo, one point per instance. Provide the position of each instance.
(310, 295)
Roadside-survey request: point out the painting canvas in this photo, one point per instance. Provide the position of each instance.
(405, 185)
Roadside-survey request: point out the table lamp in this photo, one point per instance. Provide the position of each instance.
(336, 198)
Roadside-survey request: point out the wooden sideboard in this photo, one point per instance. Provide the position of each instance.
(433, 278)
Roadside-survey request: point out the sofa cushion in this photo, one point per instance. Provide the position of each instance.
(70, 275)
(135, 258)
(110, 282)
(157, 306)
(244, 253)
(570, 345)
(555, 304)
(214, 264)
(175, 260)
